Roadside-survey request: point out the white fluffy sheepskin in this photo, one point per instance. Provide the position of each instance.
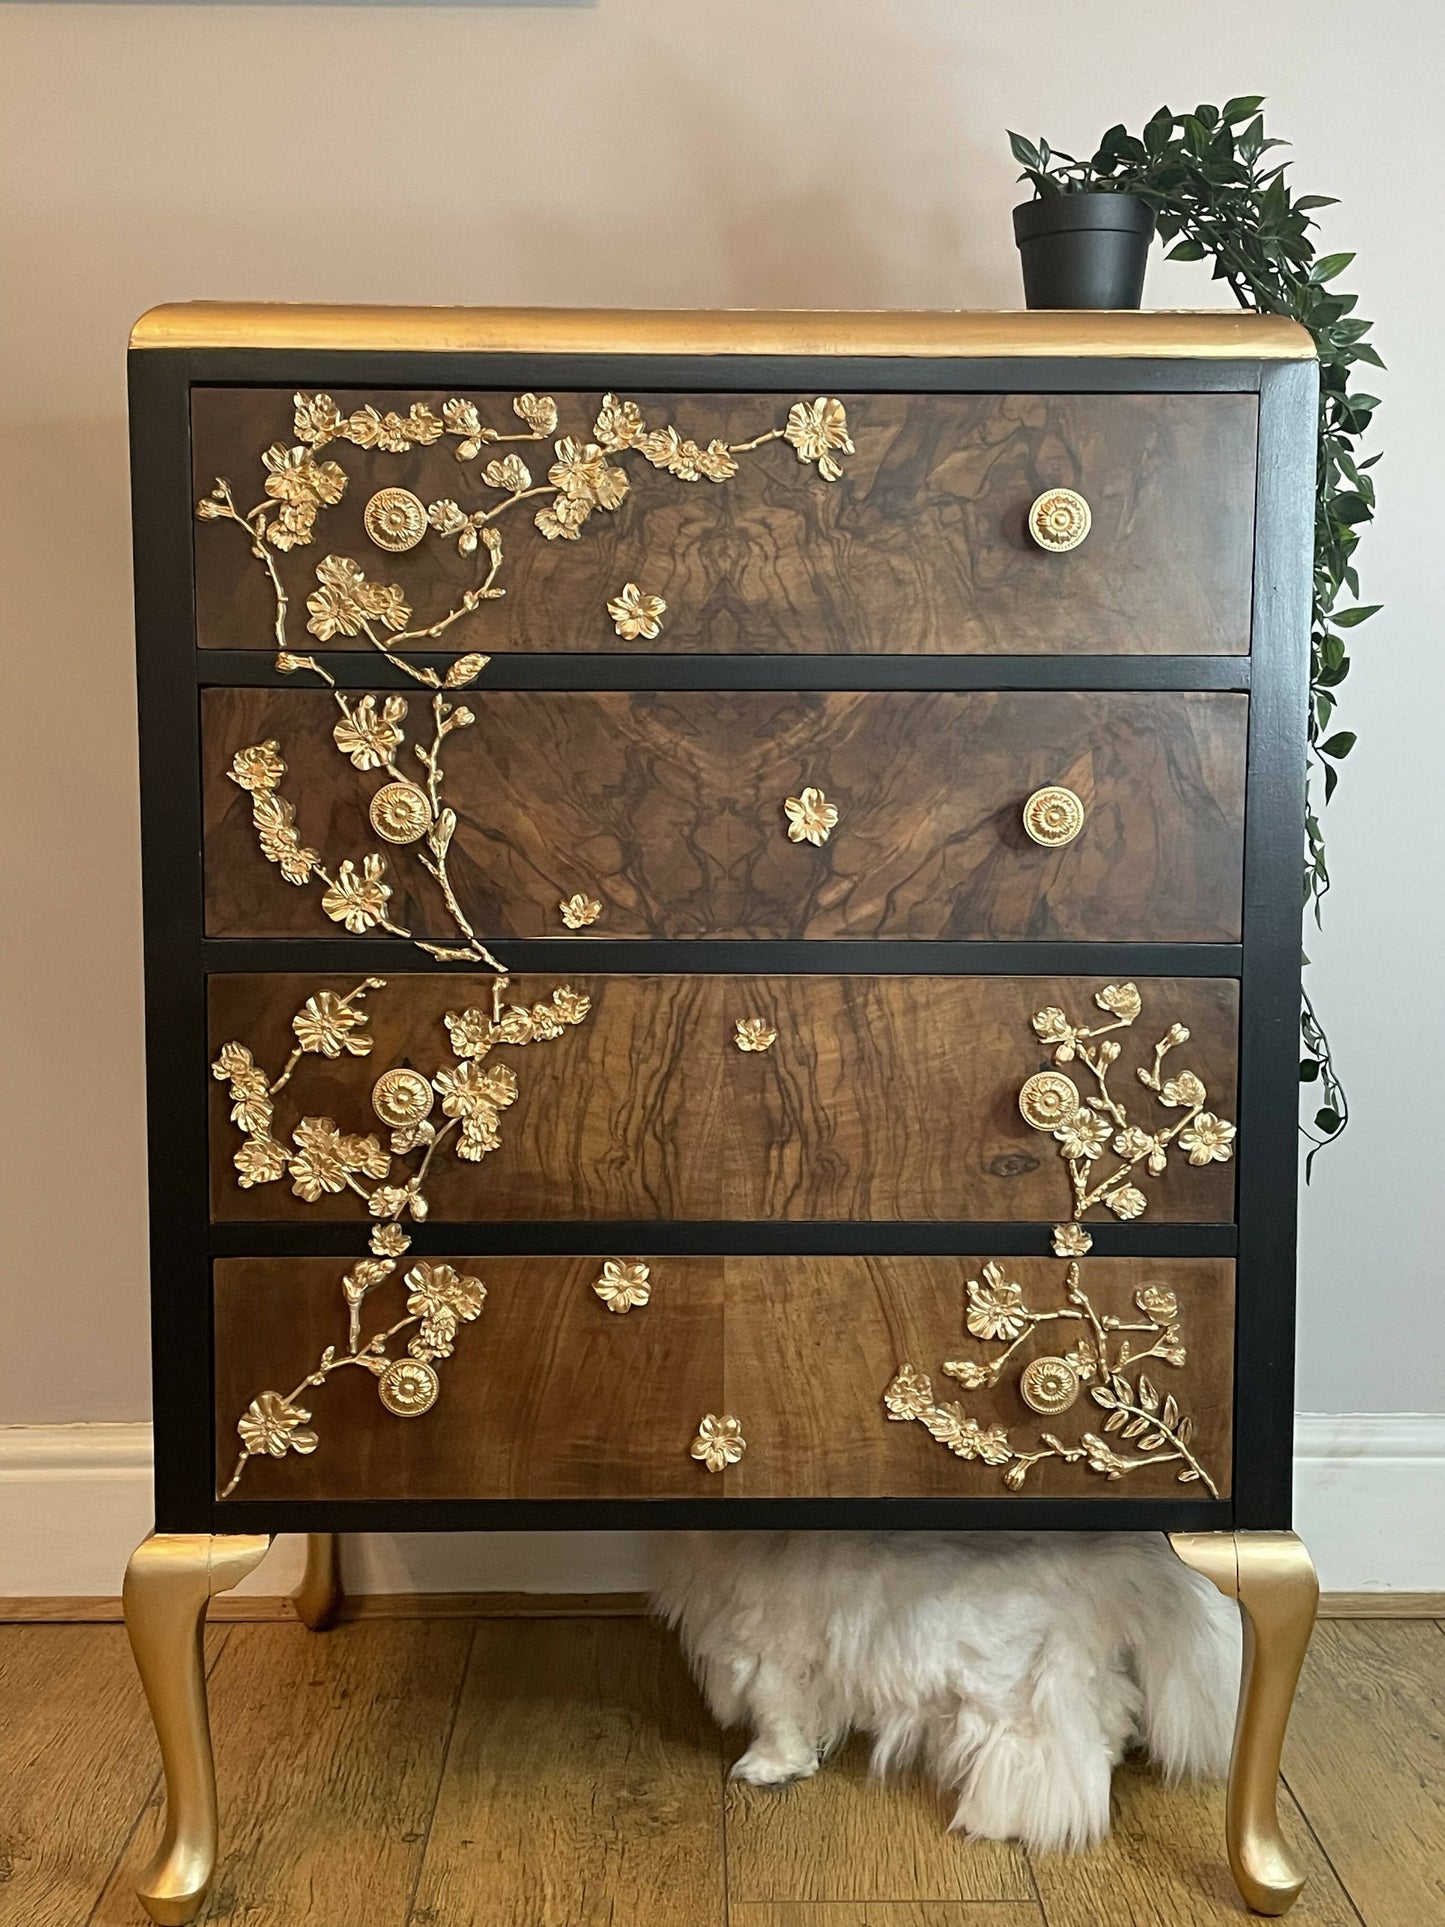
(1016, 1667)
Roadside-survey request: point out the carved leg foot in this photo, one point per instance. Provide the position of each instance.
(318, 1598)
(1270, 1575)
(168, 1584)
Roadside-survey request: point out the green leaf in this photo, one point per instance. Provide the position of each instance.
(1024, 151)
(1242, 106)
(1350, 618)
(1329, 265)
(1185, 251)
(1339, 745)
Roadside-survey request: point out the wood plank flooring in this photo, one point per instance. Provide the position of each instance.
(561, 1773)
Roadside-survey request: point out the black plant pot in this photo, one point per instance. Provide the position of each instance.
(1084, 250)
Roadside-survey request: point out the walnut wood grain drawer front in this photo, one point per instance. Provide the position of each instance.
(717, 1378)
(722, 1098)
(879, 523)
(701, 813)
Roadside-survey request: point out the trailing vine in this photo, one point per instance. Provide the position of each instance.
(1218, 196)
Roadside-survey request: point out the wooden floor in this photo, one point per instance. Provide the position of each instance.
(561, 1773)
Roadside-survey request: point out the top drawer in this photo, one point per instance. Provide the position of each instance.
(918, 543)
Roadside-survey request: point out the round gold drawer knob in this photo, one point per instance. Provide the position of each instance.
(1053, 816)
(1059, 520)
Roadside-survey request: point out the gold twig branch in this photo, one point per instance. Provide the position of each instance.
(300, 486)
(1087, 1128)
(1101, 1359)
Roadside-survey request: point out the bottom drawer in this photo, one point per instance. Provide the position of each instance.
(718, 1378)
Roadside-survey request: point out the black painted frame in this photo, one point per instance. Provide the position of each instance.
(178, 959)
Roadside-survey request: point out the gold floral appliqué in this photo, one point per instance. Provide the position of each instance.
(1105, 1358)
(1091, 1130)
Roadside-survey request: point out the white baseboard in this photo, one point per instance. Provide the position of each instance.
(75, 1499)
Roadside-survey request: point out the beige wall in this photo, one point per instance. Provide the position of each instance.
(639, 152)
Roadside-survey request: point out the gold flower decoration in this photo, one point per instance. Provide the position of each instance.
(623, 1284)
(579, 911)
(272, 1424)
(329, 1025)
(358, 898)
(811, 817)
(389, 1240)
(635, 614)
(1208, 1140)
(1084, 1134)
(257, 768)
(473, 1086)
(995, 1305)
(818, 431)
(1071, 1241)
(719, 1442)
(371, 737)
(754, 1034)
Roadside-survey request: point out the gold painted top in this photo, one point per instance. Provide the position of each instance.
(1172, 335)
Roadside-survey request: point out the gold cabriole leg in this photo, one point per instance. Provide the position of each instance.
(1271, 1576)
(318, 1598)
(169, 1582)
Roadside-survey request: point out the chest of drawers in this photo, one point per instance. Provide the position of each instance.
(722, 938)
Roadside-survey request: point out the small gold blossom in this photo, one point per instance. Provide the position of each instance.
(329, 1025)
(719, 1442)
(811, 817)
(358, 899)
(257, 768)
(818, 431)
(623, 1284)
(580, 910)
(271, 1424)
(754, 1034)
(996, 1305)
(1209, 1139)
(635, 614)
(370, 737)
(1071, 1241)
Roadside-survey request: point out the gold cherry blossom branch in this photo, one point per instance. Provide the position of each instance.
(323, 1160)
(1050, 1101)
(581, 479)
(439, 1300)
(403, 813)
(997, 1312)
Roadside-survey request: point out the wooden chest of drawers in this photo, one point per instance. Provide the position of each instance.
(722, 916)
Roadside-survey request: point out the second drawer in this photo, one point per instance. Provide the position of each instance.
(669, 811)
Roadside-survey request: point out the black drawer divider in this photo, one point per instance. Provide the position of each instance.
(704, 956)
(734, 1239)
(364, 669)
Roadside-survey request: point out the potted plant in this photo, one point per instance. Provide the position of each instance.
(1084, 239)
(1219, 195)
